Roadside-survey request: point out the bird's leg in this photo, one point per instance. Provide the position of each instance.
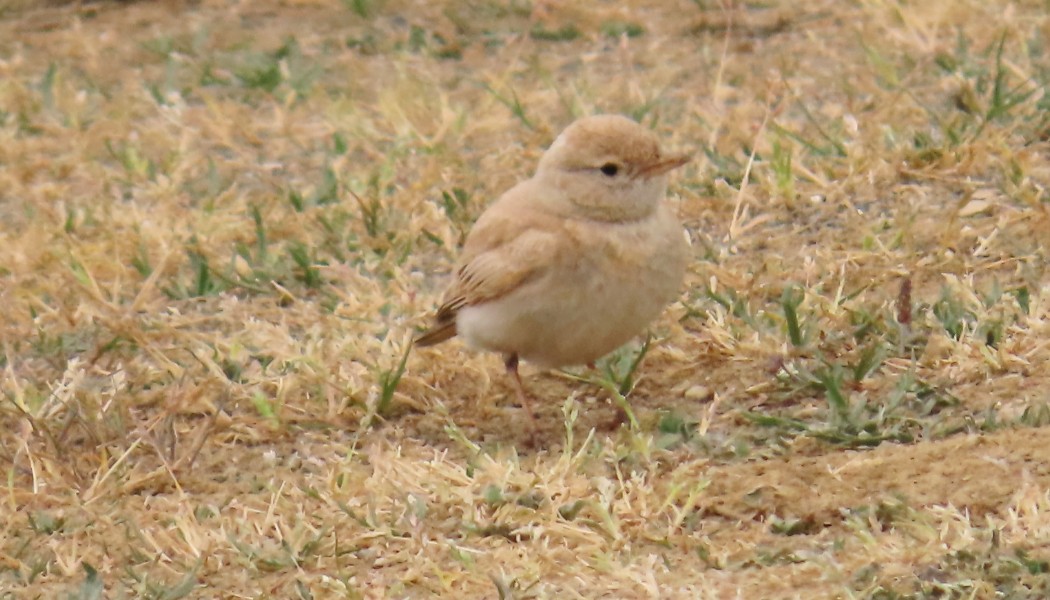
(511, 362)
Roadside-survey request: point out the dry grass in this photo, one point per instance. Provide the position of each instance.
(220, 223)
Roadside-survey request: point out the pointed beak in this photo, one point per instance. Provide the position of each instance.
(664, 165)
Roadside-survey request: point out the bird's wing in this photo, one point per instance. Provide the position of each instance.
(504, 250)
(492, 273)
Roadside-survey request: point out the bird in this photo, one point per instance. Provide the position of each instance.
(570, 264)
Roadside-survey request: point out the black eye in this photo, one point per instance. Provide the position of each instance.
(610, 169)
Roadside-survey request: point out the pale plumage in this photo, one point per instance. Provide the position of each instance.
(569, 265)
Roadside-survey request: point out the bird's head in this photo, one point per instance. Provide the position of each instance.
(609, 167)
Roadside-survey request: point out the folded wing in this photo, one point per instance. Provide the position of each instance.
(502, 254)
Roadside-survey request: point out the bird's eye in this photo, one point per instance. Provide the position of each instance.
(610, 169)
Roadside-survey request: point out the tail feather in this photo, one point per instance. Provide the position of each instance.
(437, 334)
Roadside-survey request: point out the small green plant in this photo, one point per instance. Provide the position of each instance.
(790, 300)
(793, 526)
(616, 29)
(780, 162)
(565, 33)
(830, 379)
(1004, 98)
(513, 103)
(266, 409)
(955, 317)
(263, 73)
(389, 379)
(674, 429)
(371, 214)
(455, 202)
(308, 272)
(857, 420)
(1036, 415)
(735, 304)
(202, 283)
(362, 8)
(727, 167)
(869, 361)
(136, 166)
(617, 377)
(267, 71)
(92, 587)
(47, 86)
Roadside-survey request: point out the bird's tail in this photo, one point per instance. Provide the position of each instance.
(437, 334)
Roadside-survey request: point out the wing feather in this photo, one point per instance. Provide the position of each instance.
(505, 250)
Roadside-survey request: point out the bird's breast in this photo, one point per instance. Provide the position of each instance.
(610, 282)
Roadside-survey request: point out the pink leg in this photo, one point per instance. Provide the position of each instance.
(511, 362)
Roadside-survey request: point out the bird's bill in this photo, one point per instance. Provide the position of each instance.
(664, 165)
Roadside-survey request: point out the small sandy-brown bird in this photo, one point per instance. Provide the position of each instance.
(571, 264)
